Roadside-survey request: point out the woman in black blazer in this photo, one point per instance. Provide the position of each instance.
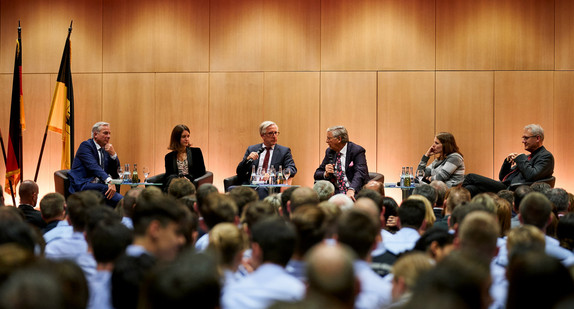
(183, 160)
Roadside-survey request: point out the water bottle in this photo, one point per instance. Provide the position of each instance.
(402, 180)
(407, 181)
(259, 174)
(135, 178)
(253, 175)
(127, 173)
(412, 175)
(272, 179)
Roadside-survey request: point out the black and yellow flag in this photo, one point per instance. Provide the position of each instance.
(17, 124)
(61, 118)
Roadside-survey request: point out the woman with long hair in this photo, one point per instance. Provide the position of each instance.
(448, 165)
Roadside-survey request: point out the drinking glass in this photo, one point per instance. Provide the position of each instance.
(146, 173)
(121, 173)
(420, 174)
(286, 173)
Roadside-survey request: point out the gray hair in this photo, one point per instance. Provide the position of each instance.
(535, 130)
(324, 189)
(342, 201)
(558, 197)
(264, 125)
(339, 131)
(97, 125)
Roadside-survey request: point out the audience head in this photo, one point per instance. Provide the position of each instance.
(487, 200)
(430, 217)
(375, 185)
(310, 226)
(180, 187)
(203, 192)
(391, 207)
(427, 191)
(342, 201)
(478, 234)
(456, 197)
(128, 276)
(285, 197)
(506, 195)
(179, 137)
(330, 275)
(157, 222)
(11, 214)
(535, 210)
(28, 192)
(325, 189)
(109, 240)
(519, 194)
(228, 242)
(129, 201)
(191, 281)
(406, 272)
(373, 195)
(217, 209)
(18, 233)
(303, 196)
(255, 212)
(533, 274)
(559, 197)
(78, 205)
(435, 242)
(441, 189)
(504, 214)
(540, 187)
(273, 241)
(368, 206)
(565, 231)
(525, 238)
(412, 214)
(53, 207)
(243, 196)
(358, 230)
(275, 201)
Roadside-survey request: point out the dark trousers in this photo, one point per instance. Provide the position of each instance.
(479, 184)
(100, 187)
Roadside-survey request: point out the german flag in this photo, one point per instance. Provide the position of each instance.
(17, 124)
(61, 118)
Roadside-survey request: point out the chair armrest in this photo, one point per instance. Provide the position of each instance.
(230, 181)
(206, 178)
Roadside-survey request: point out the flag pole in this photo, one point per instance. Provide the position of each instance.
(6, 163)
(46, 130)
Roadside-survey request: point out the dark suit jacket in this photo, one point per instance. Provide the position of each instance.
(540, 166)
(357, 173)
(33, 216)
(86, 166)
(281, 156)
(195, 164)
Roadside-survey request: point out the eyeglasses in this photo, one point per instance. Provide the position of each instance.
(271, 134)
(527, 137)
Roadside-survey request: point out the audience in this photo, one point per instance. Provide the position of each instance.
(53, 210)
(28, 193)
(325, 189)
(406, 272)
(228, 242)
(216, 209)
(181, 187)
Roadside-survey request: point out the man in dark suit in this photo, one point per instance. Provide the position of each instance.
(345, 164)
(272, 154)
(28, 193)
(517, 168)
(95, 164)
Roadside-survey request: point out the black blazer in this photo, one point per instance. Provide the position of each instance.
(355, 167)
(540, 166)
(195, 164)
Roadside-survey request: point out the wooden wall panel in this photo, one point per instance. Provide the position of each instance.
(405, 122)
(521, 98)
(464, 107)
(564, 35)
(368, 35)
(235, 112)
(292, 101)
(44, 30)
(181, 98)
(563, 128)
(350, 99)
(88, 104)
(525, 35)
(127, 100)
(464, 35)
(181, 42)
(236, 35)
(128, 30)
(291, 35)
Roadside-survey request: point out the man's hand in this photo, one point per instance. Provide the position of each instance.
(351, 194)
(510, 158)
(110, 149)
(253, 156)
(111, 191)
(329, 169)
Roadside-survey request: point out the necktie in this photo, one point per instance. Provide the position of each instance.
(340, 175)
(266, 160)
(102, 157)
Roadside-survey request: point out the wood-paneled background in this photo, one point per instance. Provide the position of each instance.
(394, 72)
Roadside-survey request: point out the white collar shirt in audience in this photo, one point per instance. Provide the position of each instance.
(499, 287)
(69, 247)
(62, 230)
(403, 240)
(297, 269)
(202, 243)
(375, 291)
(100, 286)
(552, 248)
(266, 285)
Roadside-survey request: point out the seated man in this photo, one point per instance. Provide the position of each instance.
(28, 192)
(345, 164)
(95, 164)
(274, 156)
(517, 168)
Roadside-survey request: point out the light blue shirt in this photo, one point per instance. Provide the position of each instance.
(266, 285)
(100, 290)
(67, 247)
(128, 222)
(87, 263)
(202, 243)
(63, 229)
(297, 269)
(403, 240)
(381, 245)
(135, 250)
(499, 288)
(375, 291)
(552, 248)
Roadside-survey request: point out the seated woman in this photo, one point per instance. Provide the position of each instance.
(183, 161)
(449, 166)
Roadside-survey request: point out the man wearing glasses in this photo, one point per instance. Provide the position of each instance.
(266, 155)
(517, 168)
